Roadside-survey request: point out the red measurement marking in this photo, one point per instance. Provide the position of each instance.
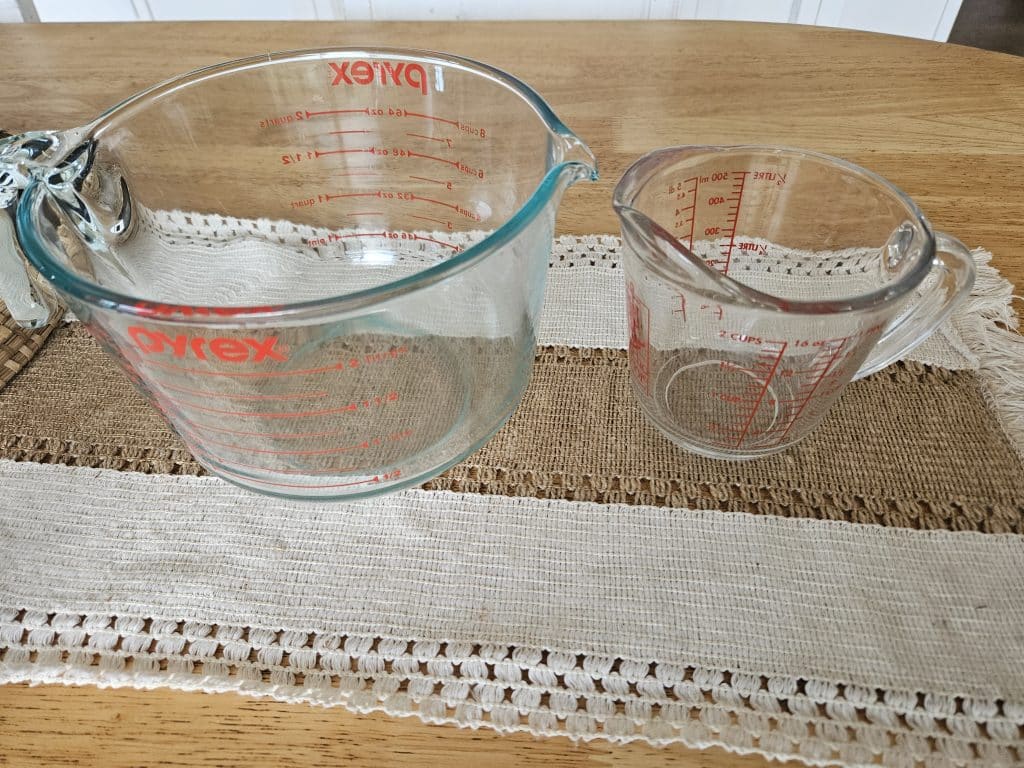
(763, 389)
(200, 393)
(455, 248)
(360, 446)
(351, 194)
(692, 208)
(241, 374)
(437, 202)
(318, 154)
(363, 111)
(431, 138)
(314, 242)
(275, 435)
(734, 214)
(353, 130)
(434, 181)
(822, 372)
(434, 157)
(427, 218)
(432, 117)
(639, 338)
(349, 408)
(339, 366)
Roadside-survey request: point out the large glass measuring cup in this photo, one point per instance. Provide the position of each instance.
(323, 267)
(760, 281)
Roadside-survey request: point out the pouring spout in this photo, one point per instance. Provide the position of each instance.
(576, 158)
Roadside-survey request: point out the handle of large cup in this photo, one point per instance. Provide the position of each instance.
(952, 278)
(62, 162)
(29, 300)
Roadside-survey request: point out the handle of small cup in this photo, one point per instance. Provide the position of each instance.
(953, 278)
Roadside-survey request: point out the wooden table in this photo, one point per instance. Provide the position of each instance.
(942, 122)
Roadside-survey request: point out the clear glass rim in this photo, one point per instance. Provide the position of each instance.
(641, 172)
(38, 253)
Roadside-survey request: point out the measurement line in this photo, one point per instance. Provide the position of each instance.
(340, 366)
(432, 117)
(362, 445)
(810, 395)
(242, 374)
(455, 248)
(425, 178)
(366, 172)
(318, 154)
(350, 408)
(431, 138)
(693, 209)
(334, 238)
(437, 202)
(763, 392)
(352, 130)
(276, 435)
(352, 194)
(363, 111)
(365, 213)
(413, 153)
(201, 393)
(735, 218)
(427, 218)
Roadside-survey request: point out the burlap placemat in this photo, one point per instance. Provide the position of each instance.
(912, 446)
(19, 345)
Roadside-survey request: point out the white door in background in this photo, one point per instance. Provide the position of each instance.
(929, 19)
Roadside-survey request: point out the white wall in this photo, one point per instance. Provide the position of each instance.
(9, 11)
(930, 19)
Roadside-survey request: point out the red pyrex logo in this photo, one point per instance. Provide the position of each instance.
(363, 72)
(227, 350)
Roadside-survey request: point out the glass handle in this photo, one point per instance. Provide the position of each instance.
(951, 278)
(29, 300)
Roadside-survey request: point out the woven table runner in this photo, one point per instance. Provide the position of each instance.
(858, 598)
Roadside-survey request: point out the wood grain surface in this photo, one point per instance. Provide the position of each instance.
(942, 122)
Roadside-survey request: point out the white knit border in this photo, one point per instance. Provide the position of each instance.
(515, 689)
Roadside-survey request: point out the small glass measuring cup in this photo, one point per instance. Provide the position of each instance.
(323, 267)
(761, 280)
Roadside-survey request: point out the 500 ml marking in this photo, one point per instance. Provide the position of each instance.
(686, 216)
(715, 212)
